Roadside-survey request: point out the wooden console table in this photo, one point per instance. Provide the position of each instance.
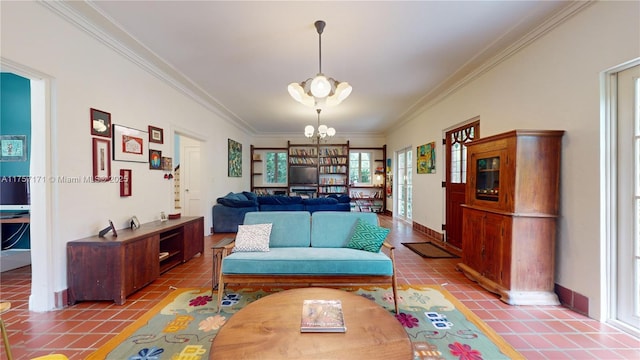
(110, 268)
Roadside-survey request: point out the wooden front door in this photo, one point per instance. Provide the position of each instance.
(456, 179)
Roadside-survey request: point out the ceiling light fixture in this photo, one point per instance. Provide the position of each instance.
(323, 130)
(320, 91)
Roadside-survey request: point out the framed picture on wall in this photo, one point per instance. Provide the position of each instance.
(235, 158)
(167, 163)
(426, 159)
(13, 147)
(155, 159)
(130, 144)
(156, 135)
(100, 123)
(101, 160)
(125, 182)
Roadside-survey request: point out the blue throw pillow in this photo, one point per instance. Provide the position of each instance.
(236, 196)
(251, 196)
(367, 237)
(236, 203)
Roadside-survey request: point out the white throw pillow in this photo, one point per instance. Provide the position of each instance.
(252, 238)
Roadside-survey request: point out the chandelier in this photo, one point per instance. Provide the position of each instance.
(320, 90)
(323, 130)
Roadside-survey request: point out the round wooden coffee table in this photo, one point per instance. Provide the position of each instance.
(270, 329)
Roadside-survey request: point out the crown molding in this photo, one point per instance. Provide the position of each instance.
(451, 85)
(101, 27)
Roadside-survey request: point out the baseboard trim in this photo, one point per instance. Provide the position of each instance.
(436, 237)
(61, 299)
(572, 300)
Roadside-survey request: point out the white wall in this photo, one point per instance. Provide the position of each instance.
(551, 84)
(86, 74)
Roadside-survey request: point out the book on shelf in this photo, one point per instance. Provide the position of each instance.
(322, 316)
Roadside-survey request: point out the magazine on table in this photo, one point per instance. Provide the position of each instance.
(322, 316)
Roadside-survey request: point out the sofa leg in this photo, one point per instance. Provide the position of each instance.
(220, 294)
(394, 282)
(394, 285)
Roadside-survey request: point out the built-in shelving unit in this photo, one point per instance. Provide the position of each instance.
(318, 169)
(371, 197)
(323, 169)
(258, 181)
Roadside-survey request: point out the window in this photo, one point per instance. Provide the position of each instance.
(457, 142)
(275, 167)
(360, 168)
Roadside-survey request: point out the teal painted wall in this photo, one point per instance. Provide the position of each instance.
(15, 119)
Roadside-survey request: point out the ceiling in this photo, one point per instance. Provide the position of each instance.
(238, 57)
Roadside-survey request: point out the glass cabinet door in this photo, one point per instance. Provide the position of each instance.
(487, 185)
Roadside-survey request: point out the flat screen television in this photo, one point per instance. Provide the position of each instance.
(301, 175)
(14, 193)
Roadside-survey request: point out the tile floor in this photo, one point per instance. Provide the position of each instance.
(537, 332)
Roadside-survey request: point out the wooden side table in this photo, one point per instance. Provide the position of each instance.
(217, 260)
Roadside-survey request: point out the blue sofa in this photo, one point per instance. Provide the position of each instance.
(305, 249)
(230, 209)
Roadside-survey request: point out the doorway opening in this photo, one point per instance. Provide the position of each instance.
(404, 206)
(621, 189)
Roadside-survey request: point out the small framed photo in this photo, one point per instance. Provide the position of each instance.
(101, 160)
(156, 135)
(100, 123)
(155, 159)
(113, 229)
(125, 182)
(167, 163)
(130, 144)
(135, 223)
(13, 147)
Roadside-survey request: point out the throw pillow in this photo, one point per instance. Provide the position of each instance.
(252, 238)
(367, 237)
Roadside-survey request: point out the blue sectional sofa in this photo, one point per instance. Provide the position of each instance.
(310, 249)
(230, 209)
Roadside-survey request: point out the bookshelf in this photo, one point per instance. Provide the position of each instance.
(371, 197)
(318, 169)
(258, 179)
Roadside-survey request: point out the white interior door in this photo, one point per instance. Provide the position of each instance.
(627, 294)
(190, 177)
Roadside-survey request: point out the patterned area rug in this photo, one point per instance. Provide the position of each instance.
(184, 324)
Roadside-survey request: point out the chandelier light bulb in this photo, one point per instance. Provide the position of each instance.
(320, 86)
(308, 131)
(322, 130)
(331, 131)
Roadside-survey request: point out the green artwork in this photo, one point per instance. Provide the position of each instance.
(235, 159)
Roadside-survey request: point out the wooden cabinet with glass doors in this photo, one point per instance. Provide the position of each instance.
(510, 214)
